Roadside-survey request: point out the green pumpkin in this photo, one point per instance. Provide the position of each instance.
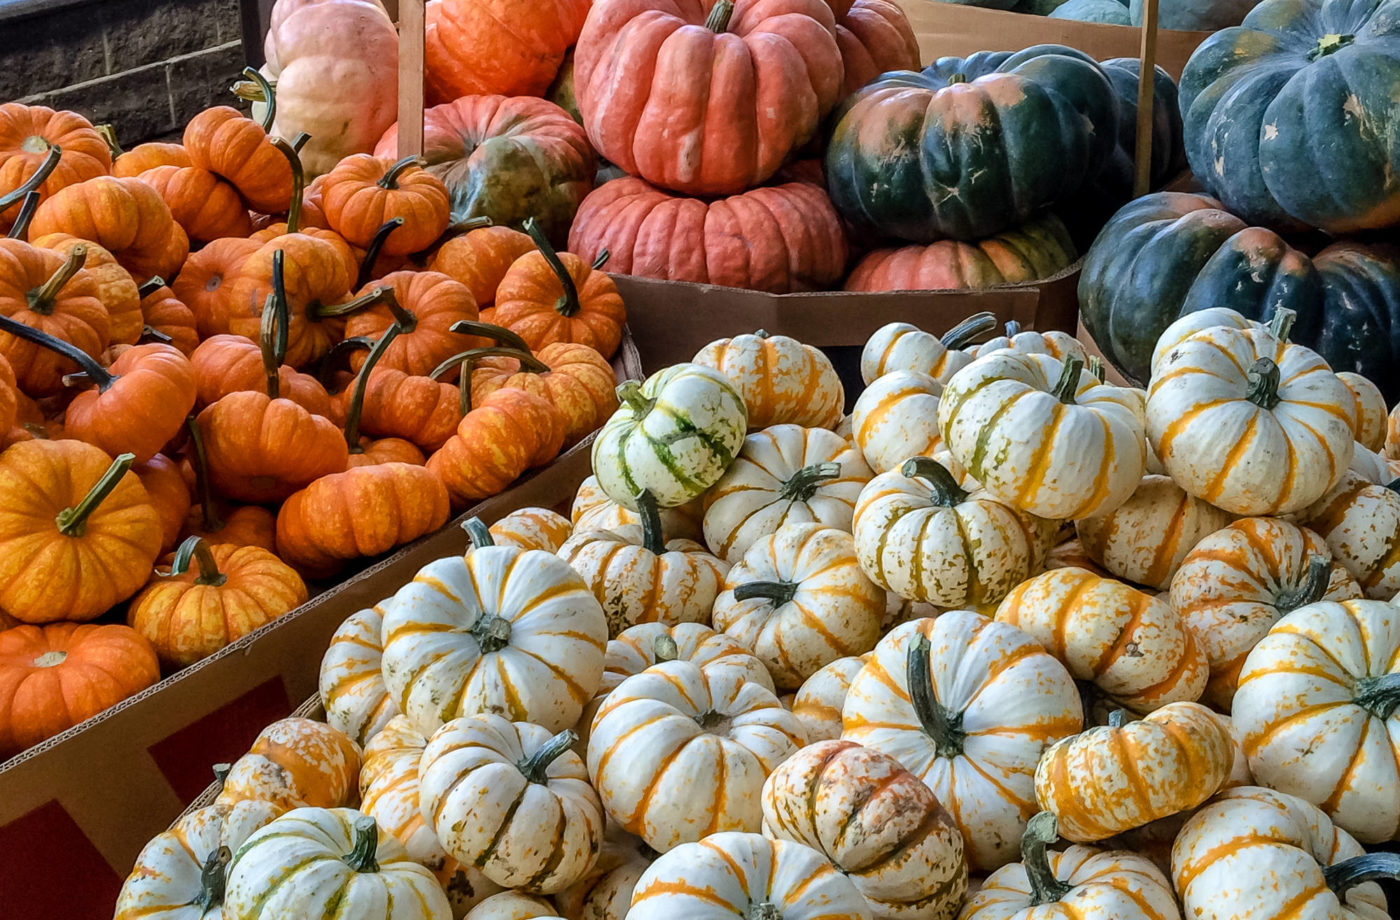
(1168, 254)
(1292, 119)
(673, 436)
(1106, 11)
(971, 146)
(1194, 15)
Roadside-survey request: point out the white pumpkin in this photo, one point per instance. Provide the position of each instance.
(532, 528)
(351, 682)
(1368, 408)
(1054, 343)
(1188, 325)
(606, 892)
(819, 700)
(513, 905)
(593, 510)
(1361, 524)
(781, 379)
(903, 347)
(897, 418)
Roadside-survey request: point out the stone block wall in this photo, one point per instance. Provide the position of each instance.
(145, 66)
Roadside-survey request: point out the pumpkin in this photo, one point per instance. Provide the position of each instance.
(436, 301)
(783, 475)
(745, 875)
(1077, 881)
(511, 800)
(27, 135)
(679, 752)
(638, 576)
(905, 347)
(407, 406)
(509, 432)
(817, 703)
(165, 314)
(169, 494)
(1241, 579)
(673, 436)
(225, 142)
(1028, 342)
(782, 380)
(351, 684)
(897, 418)
(205, 206)
(115, 287)
(968, 705)
(295, 763)
(55, 676)
(1087, 452)
(779, 238)
(1053, 118)
(78, 532)
(497, 46)
(242, 525)
(575, 378)
(502, 630)
(55, 295)
(334, 65)
(512, 905)
(480, 258)
(874, 37)
(181, 873)
(1392, 435)
(532, 528)
(593, 510)
(1037, 249)
(1131, 645)
(1286, 852)
(922, 536)
(225, 364)
(1145, 539)
(1172, 760)
(321, 860)
(124, 216)
(1370, 411)
(876, 822)
(1314, 708)
(263, 448)
(605, 893)
(146, 156)
(204, 281)
(1361, 524)
(364, 191)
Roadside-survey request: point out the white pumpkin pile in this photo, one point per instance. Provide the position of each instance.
(781, 665)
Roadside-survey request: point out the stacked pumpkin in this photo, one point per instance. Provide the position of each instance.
(197, 415)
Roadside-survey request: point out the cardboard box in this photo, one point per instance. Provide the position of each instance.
(76, 810)
(953, 29)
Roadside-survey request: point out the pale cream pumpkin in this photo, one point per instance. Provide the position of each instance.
(1367, 464)
(1043, 435)
(1191, 323)
(1239, 580)
(1054, 343)
(1361, 524)
(1248, 422)
(785, 474)
(1316, 709)
(1368, 408)
(1253, 852)
(352, 682)
(897, 418)
(876, 822)
(606, 892)
(1392, 435)
(1145, 539)
(679, 752)
(922, 536)
(800, 600)
(819, 700)
(904, 347)
(782, 380)
(1130, 645)
(512, 905)
(1071, 553)
(986, 701)
(593, 510)
(532, 528)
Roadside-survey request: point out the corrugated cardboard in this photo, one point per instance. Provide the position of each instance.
(953, 29)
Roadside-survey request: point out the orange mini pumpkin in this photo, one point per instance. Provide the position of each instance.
(495, 443)
(364, 191)
(480, 259)
(170, 496)
(204, 281)
(224, 141)
(295, 762)
(205, 205)
(27, 135)
(238, 525)
(225, 364)
(9, 396)
(165, 314)
(139, 403)
(115, 286)
(580, 383)
(437, 301)
(124, 216)
(47, 292)
(142, 157)
(399, 405)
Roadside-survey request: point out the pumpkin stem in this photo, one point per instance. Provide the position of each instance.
(72, 522)
(267, 348)
(376, 243)
(601, 260)
(500, 334)
(151, 334)
(200, 461)
(778, 592)
(1330, 43)
(1379, 696)
(374, 297)
(46, 167)
(41, 299)
(1393, 485)
(1041, 831)
(491, 632)
(653, 539)
(390, 179)
(568, 304)
(357, 395)
(339, 350)
(478, 532)
(975, 326)
(90, 368)
(212, 879)
(1097, 369)
(957, 78)
(109, 137)
(1372, 867)
(50, 659)
(1263, 384)
(535, 768)
(283, 318)
(1013, 329)
(944, 727)
(298, 182)
(249, 91)
(268, 96)
(946, 491)
(803, 484)
(468, 224)
(1068, 384)
(720, 13)
(1282, 323)
(764, 910)
(663, 648)
(1118, 718)
(150, 286)
(528, 362)
(363, 857)
(221, 772)
(1310, 590)
(196, 549)
(630, 394)
(25, 215)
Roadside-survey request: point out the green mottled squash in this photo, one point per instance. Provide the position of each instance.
(1106, 11)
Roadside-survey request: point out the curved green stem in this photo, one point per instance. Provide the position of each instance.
(200, 461)
(1263, 384)
(267, 348)
(363, 858)
(1379, 696)
(1097, 369)
(1118, 718)
(1373, 867)
(376, 243)
(213, 879)
(957, 78)
(946, 491)
(357, 395)
(528, 362)
(601, 260)
(1041, 832)
(41, 299)
(72, 522)
(221, 772)
(268, 96)
(653, 537)
(803, 484)
(478, 533)
(46, 167)
(1310, 590)
(630, 394)
(943, 727)
(91, 370)
(390, 179)
(468, 224)
(1068, 384)
(500, 334)
(282, 318)
(1281, 324)
(339, 350)
(298, 181)
(720, 13)
(568, 304)
(151, 334)
(975, 326)
(777, 593)
(26, 213)
(535, 768)
(1013, 329)
(378, 295)
(196, 549)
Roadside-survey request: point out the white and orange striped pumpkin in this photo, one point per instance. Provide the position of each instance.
(1253, 852)
(1248, 422)
(922, 536)
(638, 576)
(785, 474)
(818, 702)
(897, 418)
(1239, 580)
(1369, 410)
(799, 600)
(1368, 465)
(503, 630)
(679, 752)
(1316, 711)
(1145, 539)
(1197, 321)
(782, 380)
(294, 763)
(1117, 777)
(351, 682)
(1043, 435)
(1361, 523)
(904, 347)
(1071, 554)
(513, 905)
(606, 891)
(532, 528)
(593, 510)
(1392, 435)
(1054, 343)
(876, 822)
(986, 702)
(1132, 646)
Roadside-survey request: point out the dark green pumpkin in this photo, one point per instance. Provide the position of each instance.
(1194, 15)
(1292, 118)
(970, 146)
(1106, 11)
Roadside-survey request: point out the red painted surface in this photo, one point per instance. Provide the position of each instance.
(49, 870)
